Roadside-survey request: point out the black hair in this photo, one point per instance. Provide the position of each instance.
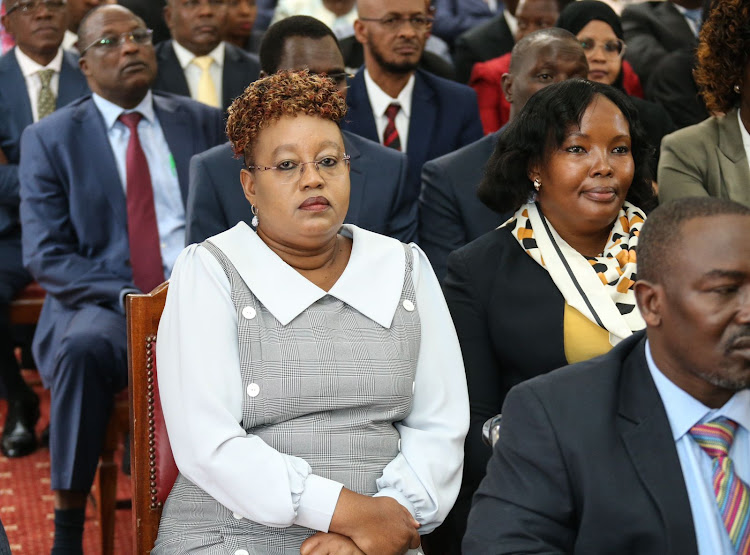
(277, 34)
(527, 43)
(541, 126)
(660, 235)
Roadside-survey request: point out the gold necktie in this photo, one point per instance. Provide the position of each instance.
(46, 100)
(206, 89)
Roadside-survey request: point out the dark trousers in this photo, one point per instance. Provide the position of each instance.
(90, 368)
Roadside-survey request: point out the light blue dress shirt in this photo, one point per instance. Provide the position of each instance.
(170, 210)
(683, 412)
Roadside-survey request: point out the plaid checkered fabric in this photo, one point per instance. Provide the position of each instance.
(331, 384)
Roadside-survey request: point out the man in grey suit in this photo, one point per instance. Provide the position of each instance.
(450, 214)
(380, 199)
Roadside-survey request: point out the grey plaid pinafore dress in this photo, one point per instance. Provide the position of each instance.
(327, 387)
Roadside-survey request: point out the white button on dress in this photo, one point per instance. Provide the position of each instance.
(242, 552)
(237, 516)
(248, 313)
(253, 389)
(408, 305)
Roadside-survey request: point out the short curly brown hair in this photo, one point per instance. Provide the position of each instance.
(722, 53)
(286, 93)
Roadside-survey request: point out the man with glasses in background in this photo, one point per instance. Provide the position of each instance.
(398, 105)
(196, 62)
(380, 198)
(36, 77)
(103, 186)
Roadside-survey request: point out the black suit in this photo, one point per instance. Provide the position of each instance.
(585, 464)
(652, 30)
(484, 42)
(152, 13)
(240, 69)
(673, 87)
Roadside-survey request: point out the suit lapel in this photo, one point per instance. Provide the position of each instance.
(229, 76)
(421, 122)
(360, 119)
(171, 74)
(179, 136)
(735, 172)
(357, 180)
(675, 21)
(645, 431)
(14, 84)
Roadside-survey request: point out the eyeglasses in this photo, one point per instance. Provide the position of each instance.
(27, 8)
(108, 44)
(394, 22)
(288, 172)
(612, 48)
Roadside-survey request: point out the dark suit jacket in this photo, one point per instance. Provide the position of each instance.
(652, 30)
(484, 42)
(354, 57)
(450, 214)
(672, 86)
(15, 116)
(152, 12)
(73, 208)
(444, 117)
(240, 69)
(585, 464)
(379, 201)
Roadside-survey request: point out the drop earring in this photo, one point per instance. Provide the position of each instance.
(254, 221)
(537, 184)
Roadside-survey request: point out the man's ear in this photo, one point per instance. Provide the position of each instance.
(168, 15)
(248, 185)
(506, 84)
(650, 299)
(360, 31)
(7, 25)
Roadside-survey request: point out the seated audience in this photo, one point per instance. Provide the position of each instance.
(196, 62)
(486, 41)
(654, 29)
(239, 26)
(711, 158)
(36, 77)
(453, 17)
(450, 214)
(393, 102)
(598, 28)
(645, 449)
(554, 284)
(103, 183)
(334, 413)
(380, 198)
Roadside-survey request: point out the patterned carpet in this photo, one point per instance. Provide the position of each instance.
(26, 503)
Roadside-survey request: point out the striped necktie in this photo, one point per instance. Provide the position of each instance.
(46, 100)
(206, 88)
(732, 494)
(390, 135)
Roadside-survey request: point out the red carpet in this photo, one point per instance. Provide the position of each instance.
(26, 503)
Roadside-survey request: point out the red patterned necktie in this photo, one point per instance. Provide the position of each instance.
(732, 494)
(390, 135)
(143, 232)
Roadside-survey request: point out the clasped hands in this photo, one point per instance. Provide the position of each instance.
(363, 525)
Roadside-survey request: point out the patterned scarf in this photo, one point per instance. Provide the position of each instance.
(611, 305)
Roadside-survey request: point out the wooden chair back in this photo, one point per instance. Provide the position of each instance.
(153, 470)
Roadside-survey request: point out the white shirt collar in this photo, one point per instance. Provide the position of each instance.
(380, 100)
(685, 411)
(745, 135)
(29, 67)
(111, 111)
(69, 41)
(371, 283)
(512, 22)
(184, 56)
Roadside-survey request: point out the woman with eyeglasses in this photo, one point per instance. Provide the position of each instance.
(598, 28)
(310, 376)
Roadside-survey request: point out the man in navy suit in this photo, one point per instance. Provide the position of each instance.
(392, 102)
(36, 77)
(103, 188)
(380, 199)
(196, 62)
(450, 214)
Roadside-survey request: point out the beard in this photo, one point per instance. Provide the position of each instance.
(398, 68)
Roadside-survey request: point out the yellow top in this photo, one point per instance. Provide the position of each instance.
(582, 338)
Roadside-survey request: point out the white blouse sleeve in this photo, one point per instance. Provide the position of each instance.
(201, 393)
(426, 475)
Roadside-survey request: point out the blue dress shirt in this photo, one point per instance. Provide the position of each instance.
(170, 210)
(683, 412)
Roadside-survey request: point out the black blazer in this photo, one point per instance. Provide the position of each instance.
(652, 30)
(152, 12)
(672, 86)
(585, 464)
(240, 69)
(484, 42)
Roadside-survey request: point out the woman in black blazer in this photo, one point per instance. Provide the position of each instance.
(553, 285)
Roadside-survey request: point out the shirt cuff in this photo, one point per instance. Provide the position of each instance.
(124, 292)
(318, 502)
(400, 497)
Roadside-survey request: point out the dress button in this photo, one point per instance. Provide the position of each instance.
(399, 444)
(408, 305)
(237, 516)
(248, 313)
(253, 389)
(242, 552)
